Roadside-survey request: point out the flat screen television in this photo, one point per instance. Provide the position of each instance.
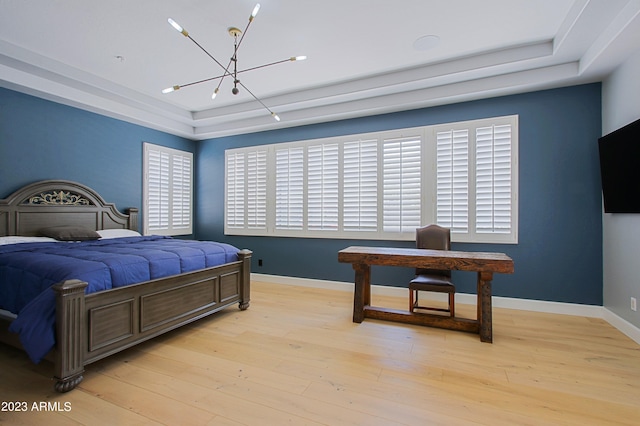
(620, 169)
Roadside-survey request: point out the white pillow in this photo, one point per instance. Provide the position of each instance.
(16, 239)
(117, 233)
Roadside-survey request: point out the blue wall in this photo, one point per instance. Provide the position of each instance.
(559, 255)
(558, 258)
(46, 140)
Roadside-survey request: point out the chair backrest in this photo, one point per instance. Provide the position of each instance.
(433, 237)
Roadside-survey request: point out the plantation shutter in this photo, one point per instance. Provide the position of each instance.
(493, 179)
(257, 189)
(235, 201)
(322, 187)
(360, 186)
(401, 188)
(158, 187)
(452, 180)
(168, 190)
(181, 192)
(290, 188)
(380, 185)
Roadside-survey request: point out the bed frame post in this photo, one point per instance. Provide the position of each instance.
(70, 339)
(245, 256)
(133, 218)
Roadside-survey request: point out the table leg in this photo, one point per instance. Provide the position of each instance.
(362, 291)
(484, 306)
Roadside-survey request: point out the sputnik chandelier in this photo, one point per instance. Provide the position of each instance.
(231, 70)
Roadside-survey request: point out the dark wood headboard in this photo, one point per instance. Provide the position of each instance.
(59, 202)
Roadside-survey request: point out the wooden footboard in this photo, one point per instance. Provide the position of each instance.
(91, 327)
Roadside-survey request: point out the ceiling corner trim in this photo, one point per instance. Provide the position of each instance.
(628, 19)
(569, 23)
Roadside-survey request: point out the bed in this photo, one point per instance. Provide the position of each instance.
(88, 323)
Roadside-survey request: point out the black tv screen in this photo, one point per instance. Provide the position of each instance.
(620, 169)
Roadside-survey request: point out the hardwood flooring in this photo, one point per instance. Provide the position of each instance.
(296, 358)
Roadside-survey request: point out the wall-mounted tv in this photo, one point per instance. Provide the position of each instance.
(620, 169)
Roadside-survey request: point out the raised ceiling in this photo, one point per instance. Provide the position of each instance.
(114, 57)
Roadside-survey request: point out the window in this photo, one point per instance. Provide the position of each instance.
(168, 188)
(322, 187)
(290, 188)
(452, 179)
(380, 186)
(401, 165)
(493, 179)
(360, 186)
(257, 189)
(476, 189)
(246, 195)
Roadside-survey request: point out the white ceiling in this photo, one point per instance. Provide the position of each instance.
(114, 57)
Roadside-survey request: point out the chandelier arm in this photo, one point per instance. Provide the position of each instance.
(255, 97)
(261, 103)
(220, 82)
(226, 71)
(265, 65)
(221, 77)
(203, 81)
(243, 34)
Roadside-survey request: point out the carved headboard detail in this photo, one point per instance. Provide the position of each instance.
(55, 197)
(59, 202)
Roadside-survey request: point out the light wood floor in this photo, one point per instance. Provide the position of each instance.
(296, 358)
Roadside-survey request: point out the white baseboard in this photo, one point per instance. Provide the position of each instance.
(498, 302)
(622, 325)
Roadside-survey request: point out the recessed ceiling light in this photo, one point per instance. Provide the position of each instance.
(426, 42)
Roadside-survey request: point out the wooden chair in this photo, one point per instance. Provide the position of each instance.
(432, 237)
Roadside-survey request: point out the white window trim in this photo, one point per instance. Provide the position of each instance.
(427, 186)
(174, 226)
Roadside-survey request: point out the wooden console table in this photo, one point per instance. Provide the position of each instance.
(485, 264)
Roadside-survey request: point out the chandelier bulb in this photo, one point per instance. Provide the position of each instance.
(178, 27)
(254, 12)
(298, 58)
(215, 93)
(170, 89)
(275, 116)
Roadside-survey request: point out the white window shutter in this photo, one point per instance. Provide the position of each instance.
(401, 189)
(360, 186)
(381, 185)
(158, 190)
(257, 189)
(452, 180)
(235, 191)
(493, 179)
(290, 188)
(181, 192)
(322, 187)
(168, 189)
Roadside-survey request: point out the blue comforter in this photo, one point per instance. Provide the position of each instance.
(28, 270)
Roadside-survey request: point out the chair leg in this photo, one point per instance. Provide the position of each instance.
(452, 304)
(411, 300)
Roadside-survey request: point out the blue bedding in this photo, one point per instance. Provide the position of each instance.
(28, 270)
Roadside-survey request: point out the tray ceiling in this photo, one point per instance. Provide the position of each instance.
(114, 57)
